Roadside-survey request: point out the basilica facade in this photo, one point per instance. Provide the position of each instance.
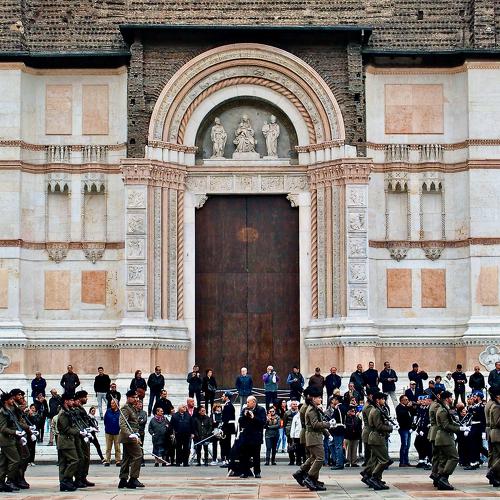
(314, 192)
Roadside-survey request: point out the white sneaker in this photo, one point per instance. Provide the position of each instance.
(214, 462)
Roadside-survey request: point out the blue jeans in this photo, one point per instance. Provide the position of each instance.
(282, 439)
(405, 436)
(338, 450)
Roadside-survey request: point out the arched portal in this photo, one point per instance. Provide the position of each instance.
(311, 170)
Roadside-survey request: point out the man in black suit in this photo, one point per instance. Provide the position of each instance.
(228, 425)
(332, 382)
(252, 420)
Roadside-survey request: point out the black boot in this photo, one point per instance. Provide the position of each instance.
(320, 486)
(299, 476)
(66, 486)
(87, 482)
(123, 483)
(79, 484)
(22, 484)
(9, 485)
(443, 484)
(135, 482)
(378, 484)
(310, 483)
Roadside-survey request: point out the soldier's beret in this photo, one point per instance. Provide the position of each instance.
(314, 392)
(5, 397)
(67, 397)
(131, 393)
(379, 395)
(81, 394)
(446, 394)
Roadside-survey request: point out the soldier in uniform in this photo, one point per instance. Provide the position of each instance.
(10, 435)
(494, 420)
(436, 403)
(18, 406)
(83, 445)
(129, 437)
(487, 408)
(478, 428)
(367, 408)
(68, 435)
(445, 441)
(380, 429)
(316, 427)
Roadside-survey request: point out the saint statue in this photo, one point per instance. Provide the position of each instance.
(244, 140)
(271, 132)
(219, 137)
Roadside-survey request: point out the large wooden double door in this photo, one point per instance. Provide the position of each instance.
(247, 286)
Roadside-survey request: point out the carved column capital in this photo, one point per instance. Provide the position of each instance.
(153, 173)
(340, 172)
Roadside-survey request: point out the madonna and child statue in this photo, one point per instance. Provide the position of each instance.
(244, 139)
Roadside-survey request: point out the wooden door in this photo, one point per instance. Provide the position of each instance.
(247, 286)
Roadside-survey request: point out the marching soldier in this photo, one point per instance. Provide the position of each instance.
(478, 428)
(129, 437)
(494, 421)
(365, 413)
(68, 435)
(436, 403)
(83, 441)
(316, 427)
(380, 429)
(487, 408)
(18, 406)
(445, 441)
(10, 435)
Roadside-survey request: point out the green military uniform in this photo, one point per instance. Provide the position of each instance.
(445, 441)
(9, 455)
(67, 437)
(431, 435)
(377, 440)
(495, 442)
(366, 433)
(487, 409)
(82, 448)
(315, 430)
(132, 452)
(24, 452)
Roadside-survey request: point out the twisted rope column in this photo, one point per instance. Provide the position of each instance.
(314, 254)
(180, 254)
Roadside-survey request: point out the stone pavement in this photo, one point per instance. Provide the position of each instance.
(211, 483)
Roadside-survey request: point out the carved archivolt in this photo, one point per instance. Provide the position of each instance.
(264, 65)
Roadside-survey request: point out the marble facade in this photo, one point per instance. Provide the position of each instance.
(399, 249)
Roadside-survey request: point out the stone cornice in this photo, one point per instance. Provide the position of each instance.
(344, 171)
(435, 243)
(153, 173)
(70, 168)
(72, 245)
(312, 343)
(17, 143)
(173, 147)
(176, 345)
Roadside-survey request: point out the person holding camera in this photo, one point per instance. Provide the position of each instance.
(295, 381)
(271, 380)
(194, 384)
(272, 435)
(252, 421)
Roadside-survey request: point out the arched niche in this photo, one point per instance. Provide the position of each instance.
(259, 111)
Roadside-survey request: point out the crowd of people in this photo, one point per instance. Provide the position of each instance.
(450, 425)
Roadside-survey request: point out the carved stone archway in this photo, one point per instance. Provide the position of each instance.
(329, 187)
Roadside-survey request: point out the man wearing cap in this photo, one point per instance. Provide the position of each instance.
(413, 393)
(19, 403)
(365, 413)
(82, 444)
(380, 429)
(129, 437)
(436, 457)
(494, 421)
(418, 376)
(445, 441)
(477, 431)
(316, 428)
(228, 425)
(67, 435)
(9, 436)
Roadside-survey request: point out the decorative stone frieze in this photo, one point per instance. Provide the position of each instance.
(57, 251)
(93, 251)
(398, 253)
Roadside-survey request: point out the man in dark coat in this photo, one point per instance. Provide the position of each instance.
(164, 403)
(156, 382)
(388, 377)
(295, 381)
(70, 381)
(416, 375)
(182, 424)
(358, 380)
(252, 420)
(460, 379)
(195, 381)
(38, 386)
(228, 425)
(371, 376)
(476, 380)
(332, 382)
